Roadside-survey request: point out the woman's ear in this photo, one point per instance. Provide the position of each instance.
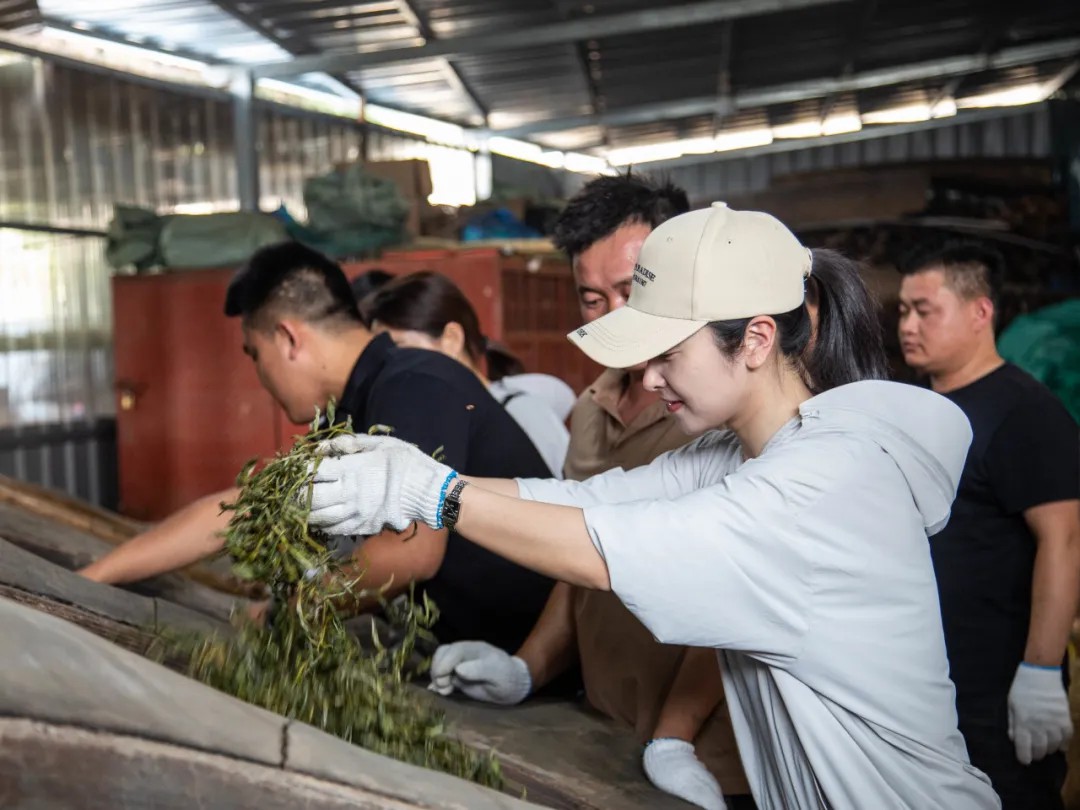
(452, 341)
(758, 341)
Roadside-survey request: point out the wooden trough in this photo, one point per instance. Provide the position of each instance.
(88, 723)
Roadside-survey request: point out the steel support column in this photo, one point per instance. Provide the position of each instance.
(245, 139)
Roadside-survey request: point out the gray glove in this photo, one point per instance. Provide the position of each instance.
(672, 766)
(480, 671)
(367, 483)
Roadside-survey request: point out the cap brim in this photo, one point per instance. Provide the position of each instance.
(628, 337)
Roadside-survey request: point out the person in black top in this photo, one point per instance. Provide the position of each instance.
(1008, 563)
(303, 331)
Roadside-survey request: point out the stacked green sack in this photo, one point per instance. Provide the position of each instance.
(350, 214)
(1046, 344)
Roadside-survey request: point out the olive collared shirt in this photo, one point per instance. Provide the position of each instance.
(600, 441)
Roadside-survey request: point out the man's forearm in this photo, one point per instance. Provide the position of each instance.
(551, 648)
(694, 695)
(185, 537)
(386, 564)
(1055, 587)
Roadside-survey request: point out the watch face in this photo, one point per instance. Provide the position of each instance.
(452, 506)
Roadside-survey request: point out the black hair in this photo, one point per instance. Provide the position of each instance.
(501, 362)
(366, 283)
(605, 204)
(426, 302)
(291, 279)
(848, 345)
(972, 269)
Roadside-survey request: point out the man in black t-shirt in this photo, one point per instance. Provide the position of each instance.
(303, 331)
(1008, 562)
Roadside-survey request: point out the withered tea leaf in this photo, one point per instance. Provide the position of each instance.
(304, 664)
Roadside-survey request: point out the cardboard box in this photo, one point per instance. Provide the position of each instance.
(440, 221)
(413, 181)
(412, 177)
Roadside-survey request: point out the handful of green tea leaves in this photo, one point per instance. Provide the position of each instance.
(304, 664)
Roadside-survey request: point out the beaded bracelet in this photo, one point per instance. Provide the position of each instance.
(442, 499)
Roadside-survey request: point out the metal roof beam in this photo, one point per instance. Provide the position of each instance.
(412, 15)
(1063, 77)
(599, 26)
(997, 23)
(19, 14)
(813, 88)
(293, 44)
(725, 49)
(855, 38)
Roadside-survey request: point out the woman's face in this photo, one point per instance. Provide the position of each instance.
(701, 387)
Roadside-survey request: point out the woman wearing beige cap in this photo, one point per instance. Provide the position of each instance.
(791, 537)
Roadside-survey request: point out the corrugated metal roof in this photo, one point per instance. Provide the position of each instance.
(19, 14)
(574, 81)
(529, 84)
(197, 26)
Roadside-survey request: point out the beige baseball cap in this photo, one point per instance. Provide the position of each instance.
(714, 264)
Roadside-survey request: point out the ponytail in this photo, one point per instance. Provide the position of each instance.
(847, 345)
(501, 362)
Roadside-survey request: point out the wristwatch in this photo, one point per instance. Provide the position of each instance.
(451, 511)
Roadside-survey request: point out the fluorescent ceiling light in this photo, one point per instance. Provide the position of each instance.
(513, 148)
(911, 113)
(1013, 97)
(898, 115)
(698, 146)
(585, 164)
(323, 100)
(552, 159)
(945, 108)
(439, 131)
(800, 129)
(645, 154)
(120, 49)
(725, 141)
(743, 139)
(841, 124)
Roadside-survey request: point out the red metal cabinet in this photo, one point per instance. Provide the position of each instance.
(190, 410)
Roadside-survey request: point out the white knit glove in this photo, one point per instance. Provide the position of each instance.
(366, 483)
(672, 766)
(481, 671)
(1039, 721)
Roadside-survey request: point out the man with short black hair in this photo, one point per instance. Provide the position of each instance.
(1008, 563)
(303, 331)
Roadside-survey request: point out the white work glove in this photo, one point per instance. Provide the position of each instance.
(1039, 721)
(672, 766)
(366, 483)
(481, 671)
